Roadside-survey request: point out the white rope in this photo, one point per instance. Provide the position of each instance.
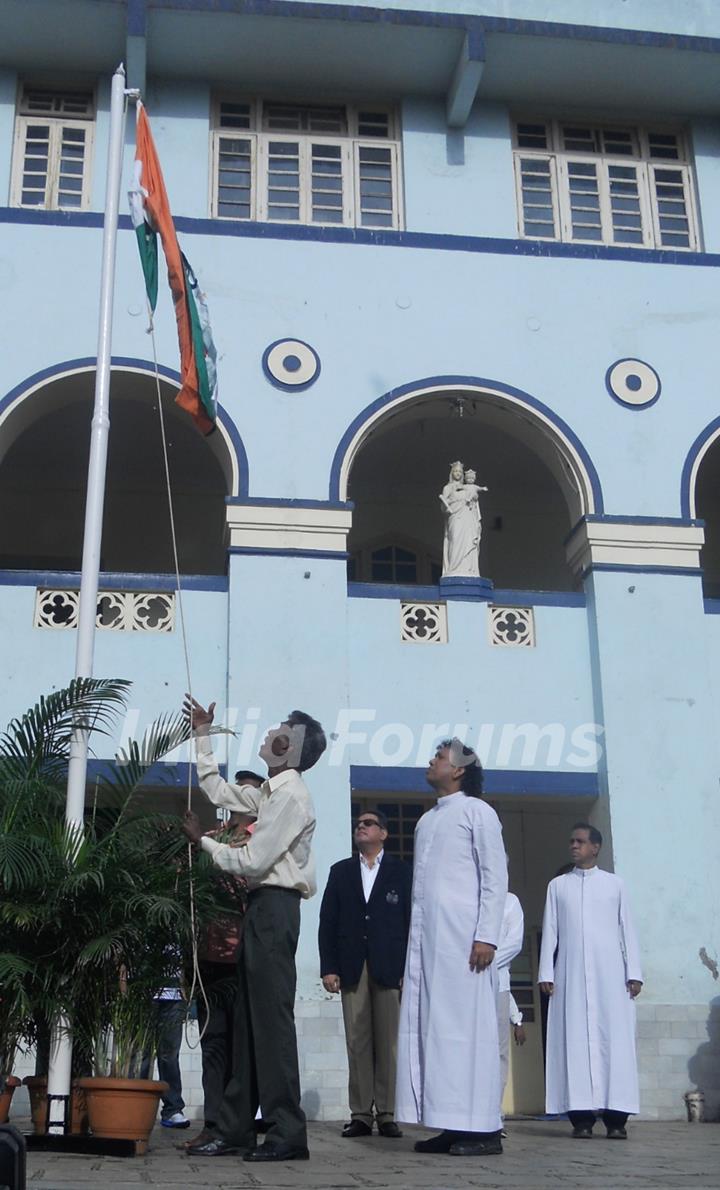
(197, 983)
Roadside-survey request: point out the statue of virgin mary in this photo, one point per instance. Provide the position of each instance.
(462, 524)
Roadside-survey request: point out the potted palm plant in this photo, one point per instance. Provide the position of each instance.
(91, 924)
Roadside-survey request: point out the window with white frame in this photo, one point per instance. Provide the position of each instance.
(306, 163)
(604, 184)
(53, 149)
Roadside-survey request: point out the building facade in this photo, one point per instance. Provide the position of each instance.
(480, 231)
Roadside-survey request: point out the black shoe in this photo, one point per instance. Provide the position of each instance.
(357, 1128)
(268, 1152)
(442, 1143)
(582, 1133)
(616, 1134)
(217, 1147)
(389, 1128)
(487, 1147)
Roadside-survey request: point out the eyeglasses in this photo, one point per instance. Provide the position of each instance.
(367, 822)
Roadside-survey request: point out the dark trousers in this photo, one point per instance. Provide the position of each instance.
(265, 1059)
(216, 1024)
(586, 1119)
(171, 1017)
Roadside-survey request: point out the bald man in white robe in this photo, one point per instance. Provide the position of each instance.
(448, 1056)
(590, 968)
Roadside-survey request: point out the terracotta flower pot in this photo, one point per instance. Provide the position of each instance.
(123, 1108)
(37, 1090)
(6, 1095)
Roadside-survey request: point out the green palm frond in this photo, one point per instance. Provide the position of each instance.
(22, 860)
(163, 736)
(40, 740)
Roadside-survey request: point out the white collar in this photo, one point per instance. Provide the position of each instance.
(448, 797)
(279, 779)
(378, 859)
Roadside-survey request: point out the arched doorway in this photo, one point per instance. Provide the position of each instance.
(539, 486)
(44, 446)
(706, 499)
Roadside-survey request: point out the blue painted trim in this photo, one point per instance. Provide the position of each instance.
(431, 594)
(290, 388)
(409, 594)
(281, 502)
(113, 581)
(696, 448)
(88, 363)
(136, 18)
(393, 779)
(540, 598)
(685, 571)
(434, 20)
(629, 404)
(262, 553)
(379, 239)
(531, 403)
(711, 607)
(170, 776)
(683, 522)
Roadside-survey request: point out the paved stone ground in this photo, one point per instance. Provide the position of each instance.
(539, 1155)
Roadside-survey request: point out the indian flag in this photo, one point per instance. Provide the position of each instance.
(151, 217)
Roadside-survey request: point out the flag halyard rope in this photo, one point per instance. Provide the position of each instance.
(197, 981)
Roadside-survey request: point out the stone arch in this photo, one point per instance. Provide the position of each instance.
(44, 435)
(540, 449)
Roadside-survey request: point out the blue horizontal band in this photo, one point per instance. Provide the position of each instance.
(282, 502)
(257, 551)
(507, 782)
(626, 568)
(493, 245)
(433, 594)
(114, 581)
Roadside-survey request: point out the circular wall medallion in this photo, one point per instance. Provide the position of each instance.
(633, 383)
(291, 365)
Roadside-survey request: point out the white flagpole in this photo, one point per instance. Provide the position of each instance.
(61, 1042)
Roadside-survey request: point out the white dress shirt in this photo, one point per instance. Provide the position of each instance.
(369, 873)
(279, 851)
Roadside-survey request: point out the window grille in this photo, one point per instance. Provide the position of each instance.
(424, 623)
(514, 626)
(122, 611)
(305, 164)
(53, 149)
(620, 185)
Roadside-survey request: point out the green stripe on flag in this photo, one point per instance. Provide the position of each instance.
(147, 245)
(205, 388)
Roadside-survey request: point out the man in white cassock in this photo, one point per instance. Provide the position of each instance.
(590, 968)
(448, 1057)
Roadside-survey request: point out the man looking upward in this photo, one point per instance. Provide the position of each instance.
(592, 984)
(364, 921)
(278, 866)
(448, 1056)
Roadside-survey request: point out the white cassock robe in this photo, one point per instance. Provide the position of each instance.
(448, 1059)
(590, 1060)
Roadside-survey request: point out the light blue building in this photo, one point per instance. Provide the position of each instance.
(486, 231)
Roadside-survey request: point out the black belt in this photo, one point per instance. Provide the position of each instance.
(274, 888)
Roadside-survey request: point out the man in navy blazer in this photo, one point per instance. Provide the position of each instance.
(364, 923)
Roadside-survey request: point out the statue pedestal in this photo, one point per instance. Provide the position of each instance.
(464, 587)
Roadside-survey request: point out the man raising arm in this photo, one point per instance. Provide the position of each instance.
(278, 866)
